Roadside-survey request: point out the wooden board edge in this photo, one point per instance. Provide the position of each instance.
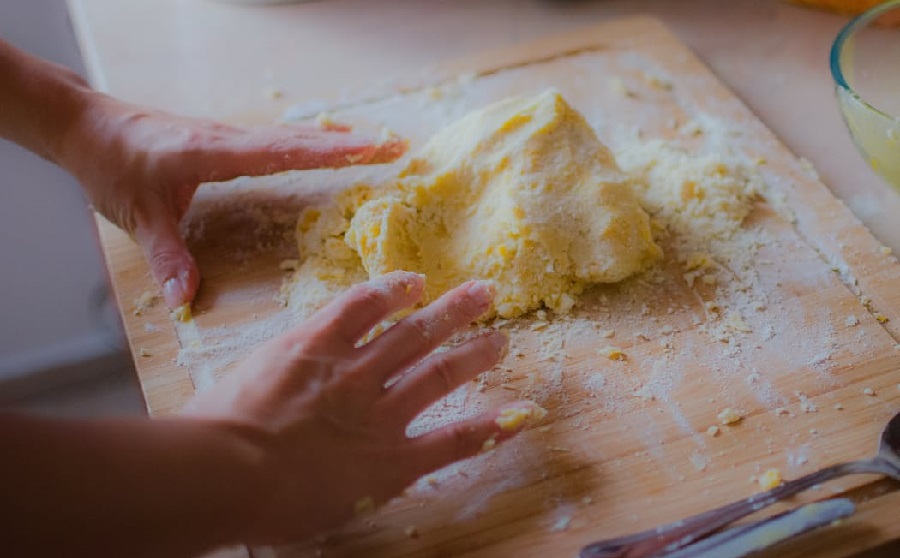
(158, 374)
(614, 33)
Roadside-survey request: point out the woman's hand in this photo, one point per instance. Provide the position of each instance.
(330, 435)
(141, 168)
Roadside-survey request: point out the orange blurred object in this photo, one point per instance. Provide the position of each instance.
(842, 6)
(853, 7)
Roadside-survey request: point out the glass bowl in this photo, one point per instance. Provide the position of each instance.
(865, 65)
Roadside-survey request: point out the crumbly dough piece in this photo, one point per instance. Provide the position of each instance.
(328, 265)
(702, 196)
(522, 193)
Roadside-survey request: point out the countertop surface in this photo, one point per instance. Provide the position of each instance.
(221, 60)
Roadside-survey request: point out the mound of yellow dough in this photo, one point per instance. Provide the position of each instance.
(522, 193)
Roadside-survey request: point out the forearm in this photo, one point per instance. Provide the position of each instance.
(124, 487)
(39, 101)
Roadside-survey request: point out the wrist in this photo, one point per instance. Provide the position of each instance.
(66, 107)
(42, 100)
(76, 144)
(248, 482)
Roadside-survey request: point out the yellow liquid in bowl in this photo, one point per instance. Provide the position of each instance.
(876, 135)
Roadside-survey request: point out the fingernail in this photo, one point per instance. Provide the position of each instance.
(175, 289)
(515, 417)
(172, 292)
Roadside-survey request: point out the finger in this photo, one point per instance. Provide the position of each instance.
(171, 264)
(354, 313)
(413, 337)
(441, 373)
(454, 442)
(257, 153)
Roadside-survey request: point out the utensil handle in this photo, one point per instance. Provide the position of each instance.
(675, 535)
(748, 538)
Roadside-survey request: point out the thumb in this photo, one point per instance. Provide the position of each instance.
(171, 264)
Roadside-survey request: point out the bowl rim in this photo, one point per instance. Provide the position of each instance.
(838, 45)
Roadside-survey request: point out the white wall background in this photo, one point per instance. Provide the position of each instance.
(53, 283)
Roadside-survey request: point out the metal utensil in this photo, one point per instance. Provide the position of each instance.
(665, 539)
(745, 539)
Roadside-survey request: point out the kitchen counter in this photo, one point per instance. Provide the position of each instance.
(224, 61)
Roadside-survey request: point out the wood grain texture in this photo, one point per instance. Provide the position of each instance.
(608, 464)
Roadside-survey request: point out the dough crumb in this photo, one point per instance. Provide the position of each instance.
(515, 418)
(730, 416)
(146, 301)
(806, 405)
(736, 322)
(657, 81)
(489, 444)
(182, 313)
(770, 479)
(613, 353)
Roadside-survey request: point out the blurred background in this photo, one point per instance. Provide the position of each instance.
(61, 348)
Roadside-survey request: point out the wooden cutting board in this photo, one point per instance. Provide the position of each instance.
(625, 446)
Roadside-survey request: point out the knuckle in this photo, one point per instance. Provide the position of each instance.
(368, 296)
(417, 329)
(487, 354)
(442, 370)
(165, 261)
(362, 296)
